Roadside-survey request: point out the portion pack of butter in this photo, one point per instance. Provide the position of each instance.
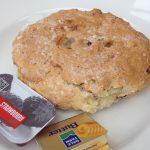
(77, 133)
(23, 112)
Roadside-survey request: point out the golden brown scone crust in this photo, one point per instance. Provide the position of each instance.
(83, 60)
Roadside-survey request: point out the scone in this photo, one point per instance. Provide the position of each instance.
(83, 60)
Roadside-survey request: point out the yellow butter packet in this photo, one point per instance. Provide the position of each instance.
(77, 133)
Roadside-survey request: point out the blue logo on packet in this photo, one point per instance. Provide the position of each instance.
(70, 138)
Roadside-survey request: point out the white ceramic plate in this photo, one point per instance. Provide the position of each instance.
(128, 121)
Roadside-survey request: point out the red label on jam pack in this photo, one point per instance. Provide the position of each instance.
(11, 115)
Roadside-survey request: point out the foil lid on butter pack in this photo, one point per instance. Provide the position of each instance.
(23, 112)
(80, 132)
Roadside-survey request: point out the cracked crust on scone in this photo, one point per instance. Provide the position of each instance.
(85, 60)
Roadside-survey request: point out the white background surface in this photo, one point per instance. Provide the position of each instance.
(124, 119)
